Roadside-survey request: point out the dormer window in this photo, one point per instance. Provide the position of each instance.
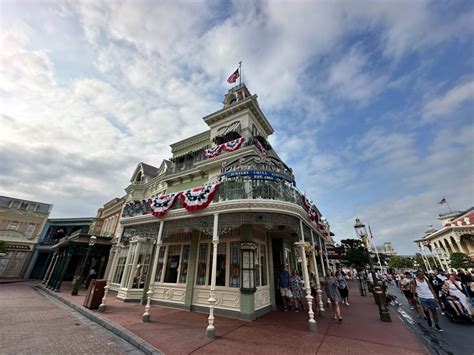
(23, 206)
(139, 177)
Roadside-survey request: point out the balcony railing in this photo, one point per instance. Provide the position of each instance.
(235, 189)
(199, 156)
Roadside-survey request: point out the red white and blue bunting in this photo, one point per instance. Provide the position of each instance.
(228, 147)
(161, 204)
(262, 149)
(312, 213)
(233, 145)
(198, 198)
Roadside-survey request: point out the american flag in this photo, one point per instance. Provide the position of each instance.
(442, 201)
(234, 76)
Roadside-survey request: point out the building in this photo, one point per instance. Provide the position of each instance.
(73, 256)
(21, 222)
(386, 249)
(54, 230)
(455, 236)
(209, 229)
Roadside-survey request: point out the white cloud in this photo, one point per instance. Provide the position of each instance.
(447, 104)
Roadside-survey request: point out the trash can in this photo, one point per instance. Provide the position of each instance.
(95, 293)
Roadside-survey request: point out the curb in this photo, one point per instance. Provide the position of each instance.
(118, 330)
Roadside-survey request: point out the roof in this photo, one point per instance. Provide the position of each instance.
(42, 207)
(149, 169)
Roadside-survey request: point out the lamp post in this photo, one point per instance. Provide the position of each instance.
(379, 296)
(79, 278)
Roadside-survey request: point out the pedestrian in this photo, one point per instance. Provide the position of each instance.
(333, 294)
(424, 291)
(405, 287)
(284, 286)
(455, 289)
(343, 289)
(397, 279)
(296, 290)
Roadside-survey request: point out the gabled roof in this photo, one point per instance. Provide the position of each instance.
(148, 170)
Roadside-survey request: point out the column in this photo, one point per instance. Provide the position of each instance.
(146, 314)
(63, 271)
(319, 292)
(134, 264)
(437, 256)
(326, 254)
(311, 322)
(446, 254)
(433, 256)
(52, 263)
(321, 256)
(54, 273)
(457, 239)
(210, 331)
(109, 276)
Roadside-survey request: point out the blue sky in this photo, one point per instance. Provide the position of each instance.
(372, 101)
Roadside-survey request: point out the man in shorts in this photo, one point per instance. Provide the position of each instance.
(284, 285)
(422, 288)
(405, 287)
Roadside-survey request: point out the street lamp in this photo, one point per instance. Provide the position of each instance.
(79, 278)
(379, 296)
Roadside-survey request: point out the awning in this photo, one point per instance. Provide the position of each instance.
(233, 127)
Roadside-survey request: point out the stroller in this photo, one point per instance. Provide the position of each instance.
(453, 309)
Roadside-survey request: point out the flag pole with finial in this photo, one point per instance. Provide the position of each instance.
(240, 72)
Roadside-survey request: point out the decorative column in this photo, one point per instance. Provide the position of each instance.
(457, 239)
(321, 256)
(63, 271)
(210, 331)
(54, 273)
(146, 315)
(109, 277)
(326, 255)
(424, 258)
(311, 322)
(319, 292)
(433, 256)
(445, 250)
(437, 256)
(50, 267)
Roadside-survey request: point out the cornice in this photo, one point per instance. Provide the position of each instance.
(200, 137)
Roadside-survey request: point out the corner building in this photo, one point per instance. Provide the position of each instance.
(209, 229)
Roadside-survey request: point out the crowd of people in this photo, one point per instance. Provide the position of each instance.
(449, 293)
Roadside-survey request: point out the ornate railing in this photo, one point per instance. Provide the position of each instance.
(234, 189)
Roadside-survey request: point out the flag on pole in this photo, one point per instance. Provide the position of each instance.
(370, 233)
(234, 76)
(442, 201)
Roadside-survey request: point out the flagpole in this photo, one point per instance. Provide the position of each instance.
(375, 247)
(448, 206)
(240, 72)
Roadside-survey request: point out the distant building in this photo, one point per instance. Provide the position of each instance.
(21, 222)
(54, 230)
(456, 235)
(386, 249)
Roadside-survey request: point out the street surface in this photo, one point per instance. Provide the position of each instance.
(456, 338)
(31, 323)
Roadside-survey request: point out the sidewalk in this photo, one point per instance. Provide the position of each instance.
(175, 331)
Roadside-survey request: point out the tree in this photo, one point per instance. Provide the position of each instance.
(400, 262)
(355, 255)
(459, 261)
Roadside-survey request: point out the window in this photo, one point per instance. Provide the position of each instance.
(254, 131)
(172, 263)
(30, 229)
(234, 280)
(202, 264)
(23, 206)
(32, 207)
(120, 266)
(13, 225)
(14, 204)
(184, 265)
(161, 261)
(261, 266)
(143, 264)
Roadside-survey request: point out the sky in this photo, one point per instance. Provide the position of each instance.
(372, 102)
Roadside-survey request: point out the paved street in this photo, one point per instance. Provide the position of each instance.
(34, 324)
(456, 339)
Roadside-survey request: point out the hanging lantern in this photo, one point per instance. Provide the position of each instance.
(248, 250)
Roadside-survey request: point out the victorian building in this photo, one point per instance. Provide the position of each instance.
(21, 222)
(456, 235)
(209, 229)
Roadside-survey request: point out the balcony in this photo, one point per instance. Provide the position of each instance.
(234, 189)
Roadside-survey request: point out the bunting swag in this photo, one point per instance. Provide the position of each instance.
(198, 198)
(228, 147)
(161, 204)
(312, 214)
(213, 151)
(262, 149)
(233, 145)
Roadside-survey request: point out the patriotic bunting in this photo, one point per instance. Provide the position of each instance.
(233, 145)
(161, 204)
(228, 147)
(198, 198)
(262, 149)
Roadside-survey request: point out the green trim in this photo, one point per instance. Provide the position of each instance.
(186, 185)
(271, 276)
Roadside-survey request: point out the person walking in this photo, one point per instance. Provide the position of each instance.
(424, 291)
(296, 290)
(284, 286)
(342, 286)
(332, 292)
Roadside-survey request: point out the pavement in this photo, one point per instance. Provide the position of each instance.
(456, 338)
(174, 331)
